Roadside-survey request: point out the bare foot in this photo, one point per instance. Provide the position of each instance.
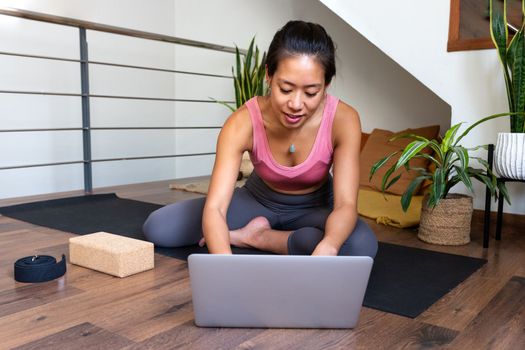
(241, 237)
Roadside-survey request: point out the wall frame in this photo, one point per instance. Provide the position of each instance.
(469, 25)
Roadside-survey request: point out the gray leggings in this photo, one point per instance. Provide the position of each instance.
(179, 224)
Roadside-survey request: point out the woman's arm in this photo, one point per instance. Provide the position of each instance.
(343, 218)
(234, 139)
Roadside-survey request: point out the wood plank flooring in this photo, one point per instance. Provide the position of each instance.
(86, 309)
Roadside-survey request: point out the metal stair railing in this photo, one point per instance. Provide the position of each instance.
(85, 94)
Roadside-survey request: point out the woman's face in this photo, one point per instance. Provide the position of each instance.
(297, 89)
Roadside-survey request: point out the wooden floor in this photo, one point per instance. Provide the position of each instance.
(152, 310)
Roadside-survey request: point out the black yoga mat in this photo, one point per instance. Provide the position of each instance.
(404, 281)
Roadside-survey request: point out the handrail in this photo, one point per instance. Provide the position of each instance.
(117, 128)
(37, 16)
(71, 94)
(85, 94)
(90, 161)
(73, 60)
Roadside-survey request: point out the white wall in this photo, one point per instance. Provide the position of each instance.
(384, 93)
(366, 77)
(415, 33)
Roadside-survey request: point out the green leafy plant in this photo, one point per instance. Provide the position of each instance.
(452, 162)
(512, 57)
(248, 76)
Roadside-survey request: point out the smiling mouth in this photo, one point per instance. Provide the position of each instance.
(292, 119)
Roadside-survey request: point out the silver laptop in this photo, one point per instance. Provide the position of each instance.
(278, 291)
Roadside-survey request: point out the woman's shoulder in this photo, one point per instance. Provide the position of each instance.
(346, 111)
(240, 118)
(346, 122)
(345, 116)
(239, 126)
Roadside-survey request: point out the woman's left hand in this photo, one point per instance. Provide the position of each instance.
(325, 248)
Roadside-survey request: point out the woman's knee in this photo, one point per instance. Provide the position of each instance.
(362, 241)
(304, 240)
(156, 229)
(174, 225)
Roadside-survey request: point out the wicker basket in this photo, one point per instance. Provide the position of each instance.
(449, 222)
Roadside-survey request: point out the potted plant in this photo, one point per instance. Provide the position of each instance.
(509, 157)
(248, 76)
(445, 217)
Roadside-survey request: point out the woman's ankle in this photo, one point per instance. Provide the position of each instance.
(251, 234)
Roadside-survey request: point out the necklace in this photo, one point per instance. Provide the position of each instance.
(292, 148)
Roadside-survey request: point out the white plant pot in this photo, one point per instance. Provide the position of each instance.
(509, 156)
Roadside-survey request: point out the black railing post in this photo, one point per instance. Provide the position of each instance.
(488, 197)
(86, 119)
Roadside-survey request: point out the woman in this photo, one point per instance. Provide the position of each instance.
(290, 204)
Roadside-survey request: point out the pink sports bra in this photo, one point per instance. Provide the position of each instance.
(307, 174)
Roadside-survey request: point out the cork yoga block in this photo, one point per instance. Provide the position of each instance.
(112, 254)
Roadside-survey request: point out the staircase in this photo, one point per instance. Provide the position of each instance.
(414, 34)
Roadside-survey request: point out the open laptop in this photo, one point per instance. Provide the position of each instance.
(278, 291)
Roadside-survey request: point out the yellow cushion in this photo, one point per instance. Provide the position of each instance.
(386, 209)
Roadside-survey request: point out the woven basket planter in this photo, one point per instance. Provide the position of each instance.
(449, 222)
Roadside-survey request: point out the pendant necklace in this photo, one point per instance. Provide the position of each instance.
(292, 148)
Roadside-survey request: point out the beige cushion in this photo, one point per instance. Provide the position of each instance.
(112, 254)
(377, 146)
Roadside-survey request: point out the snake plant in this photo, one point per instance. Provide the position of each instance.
(248, 76)
(452, 162)
(512, 57)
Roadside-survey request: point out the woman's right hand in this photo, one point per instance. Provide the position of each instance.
(234, 139)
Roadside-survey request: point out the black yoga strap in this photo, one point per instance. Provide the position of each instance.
(39, 268)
